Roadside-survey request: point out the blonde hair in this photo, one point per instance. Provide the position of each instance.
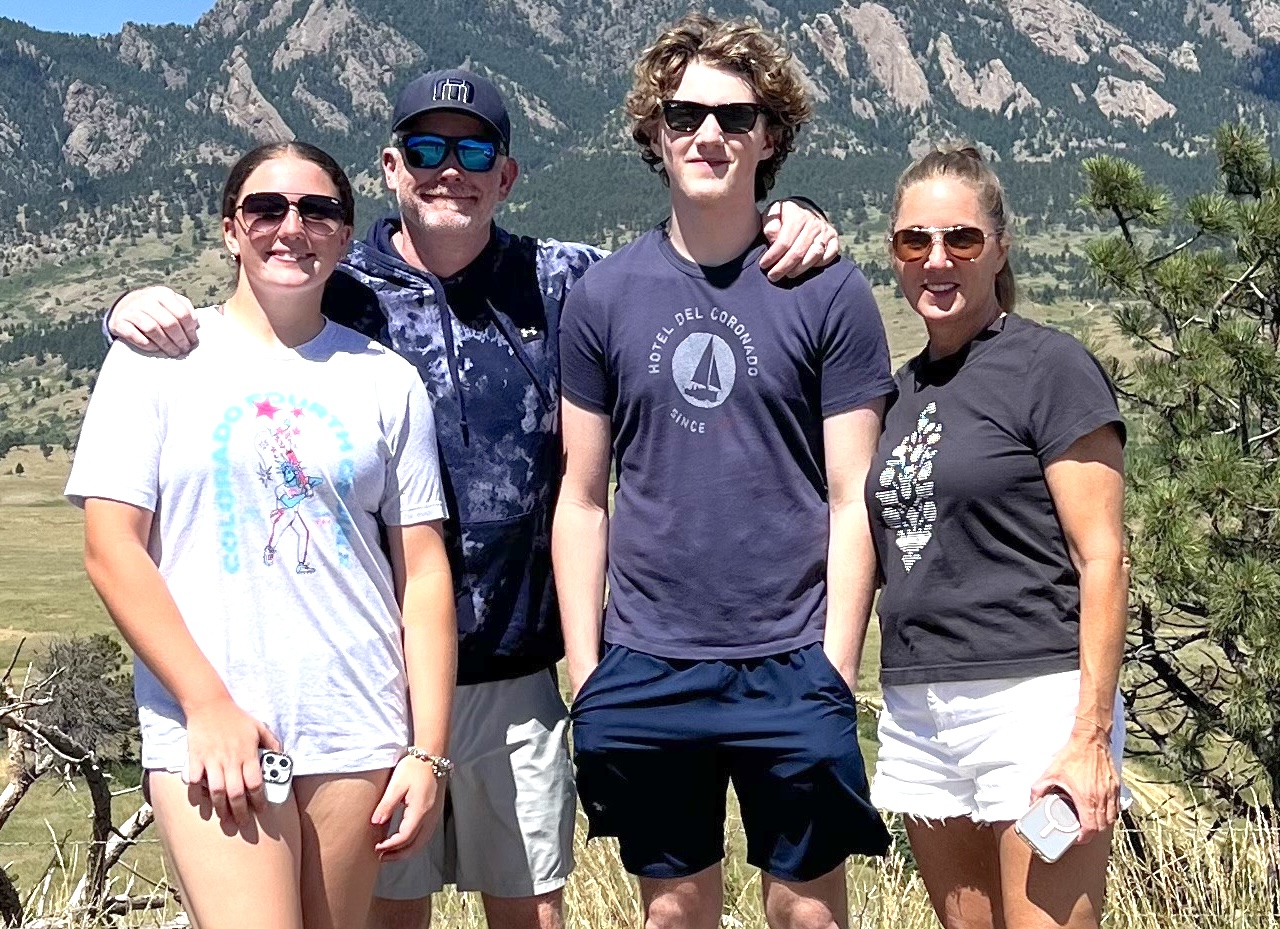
(965, 163)
(740, 46)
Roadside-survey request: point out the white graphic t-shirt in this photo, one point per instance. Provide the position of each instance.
(269, 471)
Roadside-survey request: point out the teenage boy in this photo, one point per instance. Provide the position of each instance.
(476, 309)
(742, 419)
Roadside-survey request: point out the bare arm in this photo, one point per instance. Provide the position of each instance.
(425, 589)
(799, 240)
(222, 739)
(850, 440)
(1087, 486)
(154, 319)
(580, 537)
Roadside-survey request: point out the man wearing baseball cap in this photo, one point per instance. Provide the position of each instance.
(477, 310)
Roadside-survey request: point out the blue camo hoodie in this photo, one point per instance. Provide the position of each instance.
(485, 343)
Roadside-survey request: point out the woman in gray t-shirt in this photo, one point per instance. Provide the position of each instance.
(235, 501)
(996, 501)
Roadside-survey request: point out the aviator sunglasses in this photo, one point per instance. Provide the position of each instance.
(428, 150)
(734, 118)
(264, 213)
(962, 243)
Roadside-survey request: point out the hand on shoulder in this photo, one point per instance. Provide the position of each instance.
(155, 320)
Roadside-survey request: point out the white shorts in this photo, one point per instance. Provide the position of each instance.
(509, 814)
(974, 748)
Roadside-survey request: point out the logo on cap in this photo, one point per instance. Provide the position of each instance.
(454, 91)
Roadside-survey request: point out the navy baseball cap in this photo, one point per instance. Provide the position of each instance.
(454, 90)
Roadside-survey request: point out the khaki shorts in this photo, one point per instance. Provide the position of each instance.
(509, 813)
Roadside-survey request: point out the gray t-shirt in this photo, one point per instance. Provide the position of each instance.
(269, 471)
(978, 579)
(716, 383)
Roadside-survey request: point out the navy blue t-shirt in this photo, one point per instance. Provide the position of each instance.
(716, 383)
(978, 582)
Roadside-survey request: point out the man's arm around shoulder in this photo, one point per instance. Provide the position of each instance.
(155, 320)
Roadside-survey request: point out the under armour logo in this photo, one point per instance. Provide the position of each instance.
(453, 90)
(528, 332)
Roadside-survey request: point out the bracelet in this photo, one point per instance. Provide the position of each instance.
(441, 766)
(1101, 728)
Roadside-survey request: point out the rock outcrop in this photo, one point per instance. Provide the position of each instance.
(10, 135)
(332, 26)
(135, 50)
(107, 137)
(226, 18)
(544, 19)
(139, 52)
(826, 38)
(888, 53)
(1184, 57)
(1214, 20)
(1137, 62)
(987, 89)
(535, 109)
(242, 104)
(280, 13)
(323, 113)
(1063, 28)
(1134, 100)
(1264, 17)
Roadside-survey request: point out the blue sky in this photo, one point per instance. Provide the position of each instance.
(97, 17)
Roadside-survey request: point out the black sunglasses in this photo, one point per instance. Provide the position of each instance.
(964, 243)
(263, 213)
(429, 150)
(734, 118)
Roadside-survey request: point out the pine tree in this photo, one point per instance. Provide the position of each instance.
(1198, 296)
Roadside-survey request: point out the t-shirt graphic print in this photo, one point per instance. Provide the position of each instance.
(906, 487)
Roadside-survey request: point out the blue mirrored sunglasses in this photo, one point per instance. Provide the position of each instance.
(427, 150)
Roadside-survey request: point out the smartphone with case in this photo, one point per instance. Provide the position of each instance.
(277, 775)
(1050, 827)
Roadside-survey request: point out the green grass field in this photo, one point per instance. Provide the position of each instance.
(45, 593)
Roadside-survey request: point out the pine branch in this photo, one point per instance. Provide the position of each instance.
(1216, 314)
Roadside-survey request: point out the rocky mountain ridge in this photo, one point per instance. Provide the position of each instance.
(1038, 82)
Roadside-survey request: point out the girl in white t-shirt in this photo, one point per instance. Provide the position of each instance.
(235, 505)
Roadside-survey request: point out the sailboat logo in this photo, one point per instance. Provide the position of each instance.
(703, 368)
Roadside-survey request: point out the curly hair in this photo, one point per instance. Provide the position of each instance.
(740, 46)
(963, 161)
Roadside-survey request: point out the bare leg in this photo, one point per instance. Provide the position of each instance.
(543, 911)
(1064, 895)
(822, 903)
(399, 914)
(229, 878)
(960, 863)
(339, 865)
(691, 902)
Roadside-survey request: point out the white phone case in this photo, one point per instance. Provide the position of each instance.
(277, 775)
(1050, 827)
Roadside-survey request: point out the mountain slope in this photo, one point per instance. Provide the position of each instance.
(103, 138)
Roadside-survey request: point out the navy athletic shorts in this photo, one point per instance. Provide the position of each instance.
(657, 741)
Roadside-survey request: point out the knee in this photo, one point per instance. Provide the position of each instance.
(399, 914)
(680, 911)
(818, 904)
(792, 912)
